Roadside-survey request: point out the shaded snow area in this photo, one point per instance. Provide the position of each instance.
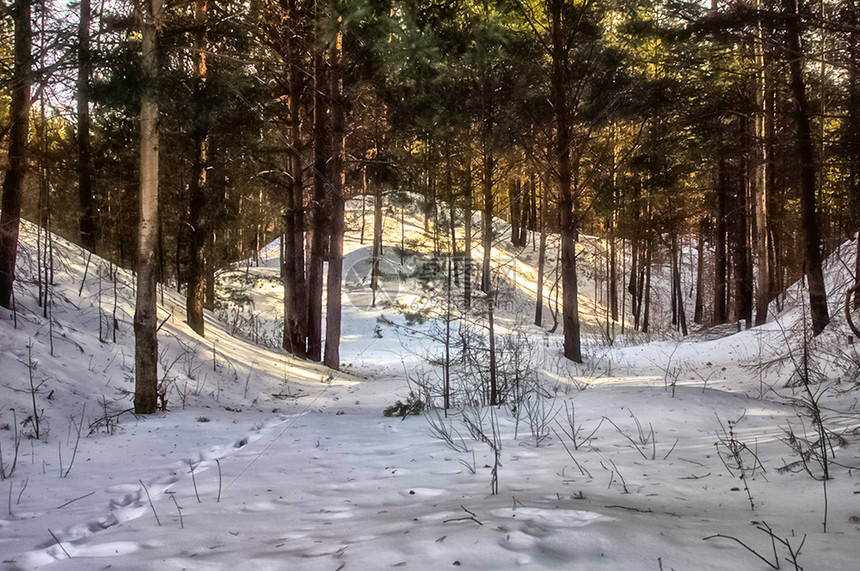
(658, 452)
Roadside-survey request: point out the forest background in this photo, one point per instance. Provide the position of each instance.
(176, 138)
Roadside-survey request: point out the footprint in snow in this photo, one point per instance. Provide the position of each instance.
(422, 492)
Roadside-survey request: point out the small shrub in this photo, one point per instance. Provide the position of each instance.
(412, 406)
(414, 315)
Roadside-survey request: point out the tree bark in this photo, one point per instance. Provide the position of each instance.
(646, 289)
(541, 258)
(720, 255)
(515, 200)
(85, 163)
(13, 182)
(295, 282)
(699, 312)
(487, 213)
(467, 230)
(632, 287)
(378, 222)
(452, 211)
(336, 190)
(760, 162)
(494, 389)
(559, 93)
(145, 316)
(805, 156)
(740, 243)
(320, 232)
(195, 290)
(853, 132)
(680, 312)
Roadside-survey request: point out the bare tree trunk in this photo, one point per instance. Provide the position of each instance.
(378, 222)
(760, 159)
(467, 230)
(145, 316)
(613, 270)
(699, 312)
(452, 210)
(632, 287)
(805, 156)
(363, 203)
(494, 389)
(531, 209)
(612, 229)
(320, 230)
(196, 285)
(487, 215)
(646, 289)
(560, 86)
(541, 258)
(85, 166)
(209, 276)
(515, 200)
(681, 314)
(295, 283)
(13, 182)
(336, 201)
(642, 270)
(720, 256)
(740, 246)
(853, 132)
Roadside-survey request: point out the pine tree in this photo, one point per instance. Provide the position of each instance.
(13, 182)
(145, 316)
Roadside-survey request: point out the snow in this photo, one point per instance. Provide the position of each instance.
(267, 462)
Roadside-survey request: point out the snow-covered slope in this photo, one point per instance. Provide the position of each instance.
(628, 461)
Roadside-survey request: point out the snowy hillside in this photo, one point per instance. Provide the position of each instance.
(653, 454)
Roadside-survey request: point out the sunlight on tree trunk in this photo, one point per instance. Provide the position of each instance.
(145, 314)
(13, 183)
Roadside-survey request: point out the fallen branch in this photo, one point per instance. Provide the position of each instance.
(74, 500)
(58, 543)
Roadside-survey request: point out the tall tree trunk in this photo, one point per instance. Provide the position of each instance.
(452, 212)
(612, 231)
(13, 182)
(559, 93)
(295, 282)
(145, 313)
(760, 161)
(363, 204)
(699, 312)
(632, 288)
(720, 254)
(541, 257)
(487, 216)
(209, 275)
(378, 222)
(681, 314)
(853, 132)
(85, 166)
(740, 244)
(336, 190)
(515, 200)
(320, 232)
(646, 288)
(494, 389)
(467, 230)
(805, 156)
(613, 267)
(198, 192)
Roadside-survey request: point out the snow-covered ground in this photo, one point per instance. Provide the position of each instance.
(659, 455)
